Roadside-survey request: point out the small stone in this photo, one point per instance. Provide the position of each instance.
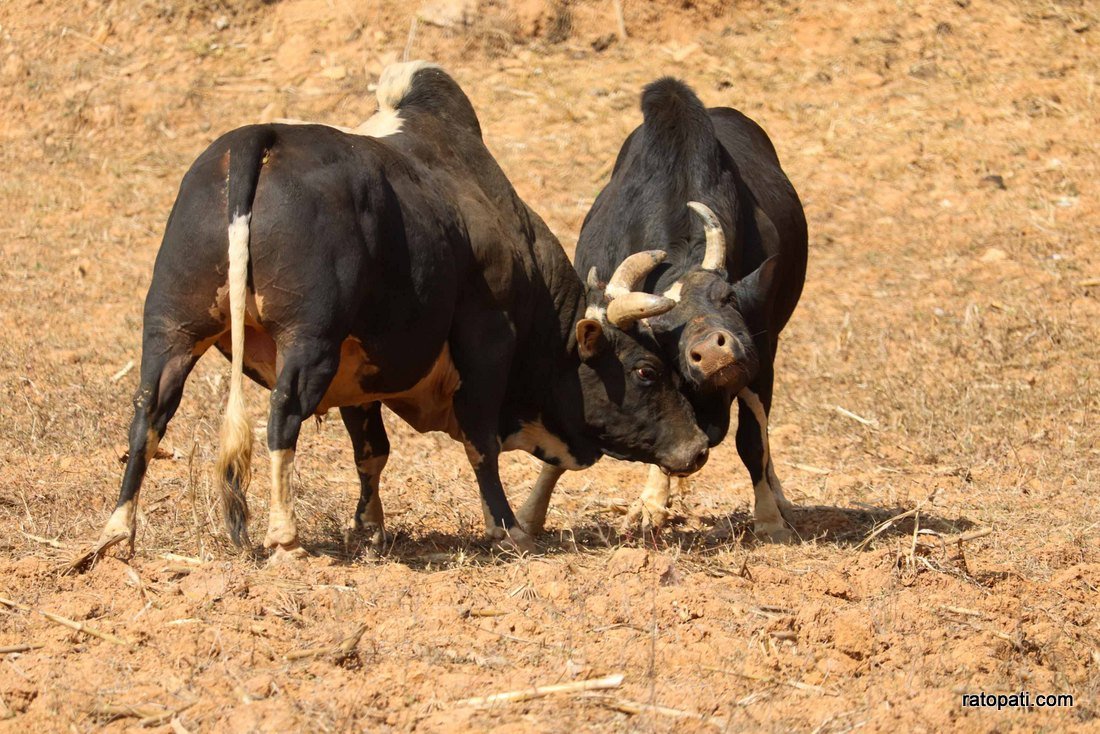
(258, 687)
(993, 181)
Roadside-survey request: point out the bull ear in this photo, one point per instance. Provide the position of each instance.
(756, 290)
(589, 336)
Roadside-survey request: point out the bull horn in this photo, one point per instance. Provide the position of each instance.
(593, 279)
(631, 271)
(626, 309)
(715, 257)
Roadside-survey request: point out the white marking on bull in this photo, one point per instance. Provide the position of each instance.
(379, 125)
(532, 516)
(596, 313)
(534, 437)
(651, 507)
(122, 522)
(393, 85)
(767, 518)
(282, 529)
(396, 80)
(235, 449)
(673, 292)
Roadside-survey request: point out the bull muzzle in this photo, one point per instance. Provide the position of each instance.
(688, 459)
(714, 358)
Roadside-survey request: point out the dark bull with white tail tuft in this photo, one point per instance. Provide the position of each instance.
(394, 264)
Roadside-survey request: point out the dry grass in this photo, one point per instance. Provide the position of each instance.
(955, 319)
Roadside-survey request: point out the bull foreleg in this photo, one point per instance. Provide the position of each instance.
(650, 511)
(372, 450)
(482, 348)
(770, 505)
(500, 522)
(532, 516)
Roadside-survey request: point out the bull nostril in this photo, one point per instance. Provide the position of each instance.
(696, 357)
(721, 340)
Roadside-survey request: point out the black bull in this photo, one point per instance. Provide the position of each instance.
(393, 264)
(732, 299)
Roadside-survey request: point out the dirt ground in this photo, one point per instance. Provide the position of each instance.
(936, 417)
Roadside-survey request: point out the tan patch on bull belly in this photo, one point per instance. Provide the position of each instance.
(426, 406)
(346, 387)
(429, 404)
(260, 354)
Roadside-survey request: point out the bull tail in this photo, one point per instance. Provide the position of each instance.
(677, 123)
(234, 464)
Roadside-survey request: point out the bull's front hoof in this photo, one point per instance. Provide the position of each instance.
(644, 517)
(515, 540)
(284, 554)
(776, 532)
(372, 535)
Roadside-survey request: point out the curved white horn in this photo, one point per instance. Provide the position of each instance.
(631, 271)
(593, 279)
(715, 256)
(626, 309)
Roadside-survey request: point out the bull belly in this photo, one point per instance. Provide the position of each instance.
(427, 406)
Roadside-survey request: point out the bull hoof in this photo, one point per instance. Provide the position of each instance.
(645, 517)
(776, 532)
(284, 554)
(113, 536)
(534, 527)
(516, 540)
(372, 535)
(87, 558)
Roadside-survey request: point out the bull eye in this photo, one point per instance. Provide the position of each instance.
(646, 375)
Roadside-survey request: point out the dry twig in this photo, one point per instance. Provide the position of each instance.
(342, 649)
(635, 707)
(84, 628)
(526, 694)
(18, 648)
(884, 526)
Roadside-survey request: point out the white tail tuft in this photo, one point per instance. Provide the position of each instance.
(395, 81)
(234, 465)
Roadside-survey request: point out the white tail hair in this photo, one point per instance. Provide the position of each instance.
(234, 464)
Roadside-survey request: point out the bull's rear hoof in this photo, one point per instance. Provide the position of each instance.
(287, 554)
(774, 533)
(371, 536)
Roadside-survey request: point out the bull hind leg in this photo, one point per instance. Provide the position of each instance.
(771, 508)
(308, 367)
(165, 365)
(372, 450)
